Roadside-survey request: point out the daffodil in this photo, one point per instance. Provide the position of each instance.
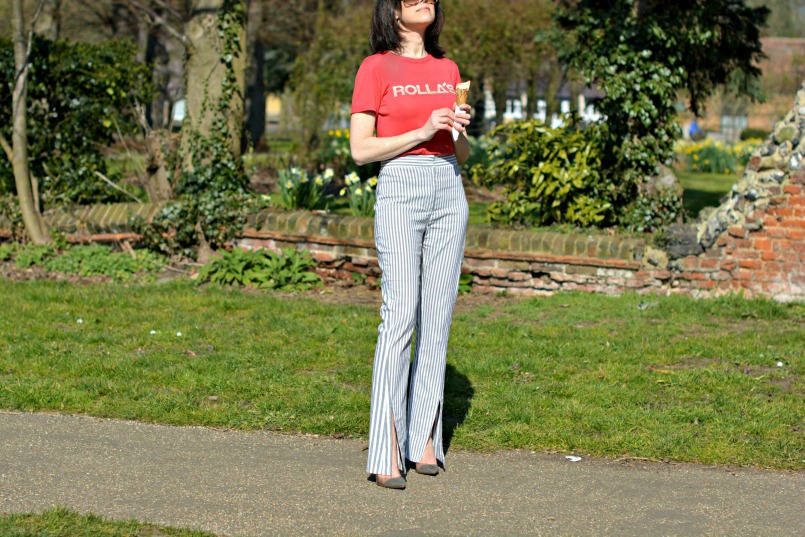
(343, 192)
(358, 192)
(289, 184)
(329, 173)
(319, 181)
(373, 181)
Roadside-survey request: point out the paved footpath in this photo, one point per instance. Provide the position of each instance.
(257, 483)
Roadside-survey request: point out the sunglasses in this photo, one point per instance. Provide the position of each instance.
(412, 3)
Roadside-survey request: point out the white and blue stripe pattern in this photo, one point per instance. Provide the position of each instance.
(420, 226)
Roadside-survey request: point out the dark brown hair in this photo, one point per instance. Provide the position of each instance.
(386, 34)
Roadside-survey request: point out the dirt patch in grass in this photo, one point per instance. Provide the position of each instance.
(365, 296)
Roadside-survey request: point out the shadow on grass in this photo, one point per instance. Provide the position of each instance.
(458, 392)
(695, 200)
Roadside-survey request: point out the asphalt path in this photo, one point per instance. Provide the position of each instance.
(261, 483)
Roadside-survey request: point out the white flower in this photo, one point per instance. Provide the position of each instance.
(178, 334)
(80, 321)
(779, 364)
(289, 184)
(352, 178)
(358, 192)
(329, 173)
(153, 332)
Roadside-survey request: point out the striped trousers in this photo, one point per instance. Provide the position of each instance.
(420, 226)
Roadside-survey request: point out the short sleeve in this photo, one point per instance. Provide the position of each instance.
(366, 94)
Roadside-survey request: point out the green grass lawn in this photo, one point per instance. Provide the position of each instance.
(60, 522)
(658, 377)
(703, 190)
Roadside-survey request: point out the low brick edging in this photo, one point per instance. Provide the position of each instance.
(514, 261)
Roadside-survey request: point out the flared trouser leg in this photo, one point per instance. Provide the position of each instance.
(420, 227)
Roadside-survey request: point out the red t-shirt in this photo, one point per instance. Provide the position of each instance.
(403, 92)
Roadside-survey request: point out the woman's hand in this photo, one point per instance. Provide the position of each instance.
(462, 118)
(441, 119)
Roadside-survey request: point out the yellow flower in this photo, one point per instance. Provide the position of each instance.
(319, 181)
(373, 181)
(358, 192)
(343, 191)
(289, 184)
(338, 134)
(696, 158)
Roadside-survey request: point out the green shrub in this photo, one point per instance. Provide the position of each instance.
(79, 95)
(99, 260)
(33, 255)
(479, 153)
(175, 228)
(653, 212)
(360, 195)
(750, 134)
(290, 271)
(7, 251)
(83, 260)
(11, 217)
(550, 176)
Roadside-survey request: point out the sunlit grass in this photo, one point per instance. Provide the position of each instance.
(61, 522)
(660, 377)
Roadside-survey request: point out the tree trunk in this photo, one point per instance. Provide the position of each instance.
(206, 73)
(500, 90)
(49, 21)
(255, 73)
(19, 139)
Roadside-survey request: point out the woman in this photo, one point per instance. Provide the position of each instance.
(403, 112)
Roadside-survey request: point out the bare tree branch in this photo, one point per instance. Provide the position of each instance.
(24, 68)
(158, 20)
(102, 176)
(167, 7)
(6, 148)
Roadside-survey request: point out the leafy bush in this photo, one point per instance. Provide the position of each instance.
(99, 260)
(11, 217)
(79, 95)
(87, 260)
(291, 270)
(299, 191)
(750, 134)
(550, 176)
(653, 212)
(479, 152)
(7, 251)
(361, 195)
(175, 228)
(33, 255)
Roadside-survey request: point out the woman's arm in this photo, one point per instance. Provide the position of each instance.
(366, 147)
